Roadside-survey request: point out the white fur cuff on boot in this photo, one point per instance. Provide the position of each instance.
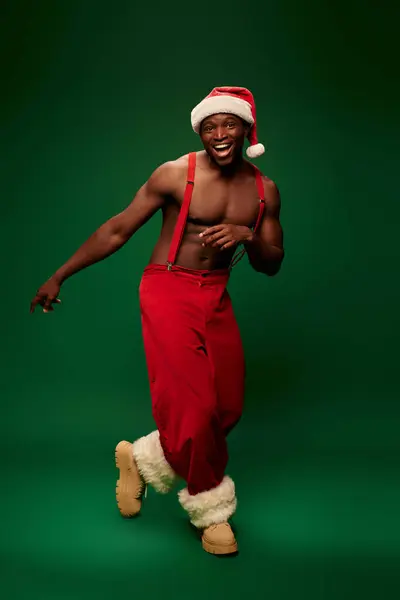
(212, 507)
(151, 463)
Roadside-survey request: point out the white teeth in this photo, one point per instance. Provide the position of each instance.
(221, 146)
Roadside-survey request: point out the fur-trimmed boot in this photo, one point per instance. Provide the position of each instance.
(140, 464)
(209, 512)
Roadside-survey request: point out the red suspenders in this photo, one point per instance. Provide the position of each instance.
(261, 196)
(181, 222)
(183, 213)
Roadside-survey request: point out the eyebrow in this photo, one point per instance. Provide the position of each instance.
(208, 120)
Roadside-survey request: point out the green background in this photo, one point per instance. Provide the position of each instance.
(95, 96)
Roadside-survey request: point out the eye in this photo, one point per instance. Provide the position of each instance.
(231, 124)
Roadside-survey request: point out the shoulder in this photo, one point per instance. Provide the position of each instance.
(270, 187)
(167, 177)
(272, 195)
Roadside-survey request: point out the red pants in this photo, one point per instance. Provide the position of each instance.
(196, 368)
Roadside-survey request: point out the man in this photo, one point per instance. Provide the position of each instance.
(212, 202)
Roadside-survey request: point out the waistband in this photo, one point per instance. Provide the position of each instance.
(211, 276)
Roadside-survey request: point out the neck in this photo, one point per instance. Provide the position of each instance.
(227, 170)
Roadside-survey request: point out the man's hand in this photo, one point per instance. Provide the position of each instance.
(225, 236)
(47, 295)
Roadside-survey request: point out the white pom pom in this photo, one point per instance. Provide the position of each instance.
(255, 151)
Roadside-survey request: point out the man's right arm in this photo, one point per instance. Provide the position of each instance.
(114, 233)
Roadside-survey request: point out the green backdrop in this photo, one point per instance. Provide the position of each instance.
(95, 96)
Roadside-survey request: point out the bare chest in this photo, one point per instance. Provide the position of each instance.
(217, 201)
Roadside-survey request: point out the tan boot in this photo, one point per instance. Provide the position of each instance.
(219, 539)
(209, 512)
(140, 464)
(130, 485)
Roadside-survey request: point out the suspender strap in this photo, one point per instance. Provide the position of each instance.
(183, 213)
(261, 196)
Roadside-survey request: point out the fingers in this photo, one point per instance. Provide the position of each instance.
(34, 302)
(211, 230)
(224, 236)
(47, 307)
(228, 243)
(210, 238)
(219, 236)
(221, 242)
(221, 239)
(45, 301)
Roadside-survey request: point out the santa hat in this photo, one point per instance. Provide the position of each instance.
(237, 101)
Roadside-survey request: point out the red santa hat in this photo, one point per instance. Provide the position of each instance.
(237, 101)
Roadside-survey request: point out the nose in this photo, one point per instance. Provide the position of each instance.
(219, 133)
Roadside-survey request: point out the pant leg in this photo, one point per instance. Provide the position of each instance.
(224, 346)
(184, 399)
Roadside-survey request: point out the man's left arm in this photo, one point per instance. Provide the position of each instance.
(265, 247)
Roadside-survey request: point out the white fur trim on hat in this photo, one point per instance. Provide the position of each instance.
(255, 151)
(212, 507)
(150, 460)
(220, 104)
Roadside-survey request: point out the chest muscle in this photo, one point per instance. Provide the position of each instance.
(215, 202)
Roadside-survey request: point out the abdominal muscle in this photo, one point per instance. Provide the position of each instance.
(191, 254)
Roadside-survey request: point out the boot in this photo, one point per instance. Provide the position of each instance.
(209, 512)
(130, 485)
(140, 464)
(219, 539)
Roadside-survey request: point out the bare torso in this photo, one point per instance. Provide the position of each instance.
(216, 199)
(230, 202)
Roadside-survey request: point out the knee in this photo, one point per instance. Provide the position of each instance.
(196, 429)
(230, 419)
(202, 424)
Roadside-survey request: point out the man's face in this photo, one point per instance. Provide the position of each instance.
(223, 137)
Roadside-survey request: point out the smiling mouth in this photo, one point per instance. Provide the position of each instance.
(222, 149)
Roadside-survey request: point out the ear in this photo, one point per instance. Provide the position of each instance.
(247, 128)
